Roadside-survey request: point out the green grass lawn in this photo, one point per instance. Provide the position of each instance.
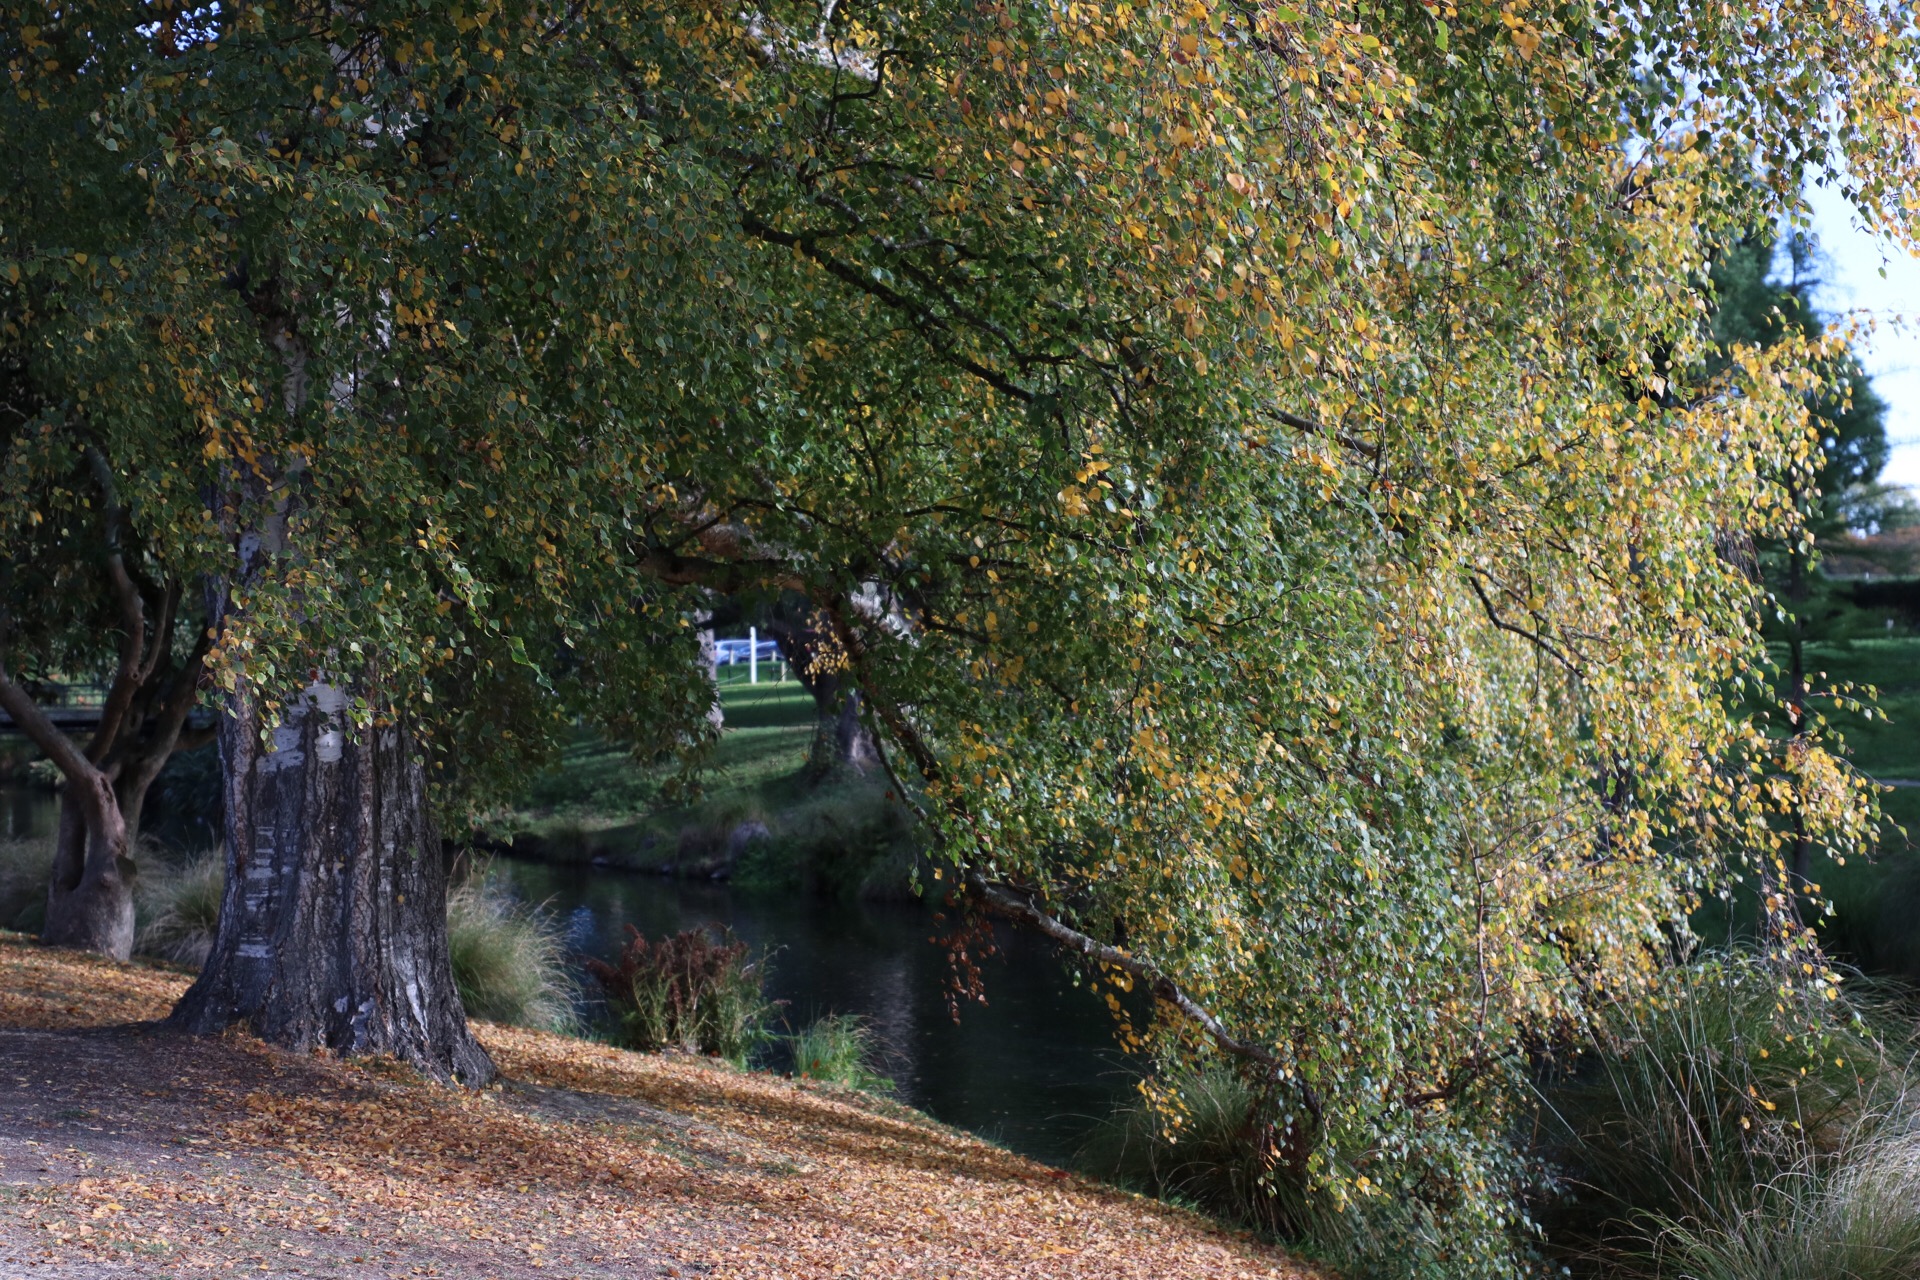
(768, 729)
(1877, 901)
(600, 803)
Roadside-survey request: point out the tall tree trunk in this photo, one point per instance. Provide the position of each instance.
(1802, 868)
(90, 893)
(333, 927)
(840, 739)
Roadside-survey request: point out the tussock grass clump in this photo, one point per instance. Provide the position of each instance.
(509, 960)
(25, 864)
(1857, 1218)
(178, 906)
(1207, 1140)
(838, 1049)
(1722, 1110)
(690, 991)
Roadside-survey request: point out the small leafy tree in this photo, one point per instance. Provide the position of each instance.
(81, 594)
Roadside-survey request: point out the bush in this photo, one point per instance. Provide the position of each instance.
(178, 906)
(25, 865)
(838, 1049)
(509, 960)
(1708, 1109)
(688, 991)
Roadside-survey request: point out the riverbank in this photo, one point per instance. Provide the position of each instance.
(125, 1151)
(754, 818)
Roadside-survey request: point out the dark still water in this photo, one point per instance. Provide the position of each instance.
(27, 812)
(1033, 1069)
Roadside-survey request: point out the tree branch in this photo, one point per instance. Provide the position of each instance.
(133, 617)
(1538, 641)
(931, 327)
(32, 721)
(1017, 907)
(1312, 428)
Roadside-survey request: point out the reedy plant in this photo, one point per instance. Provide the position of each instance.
(1714, 1105)
(1855, 1216)
(840, 1049)
(178, 906)
(509, 958)
(688, 991)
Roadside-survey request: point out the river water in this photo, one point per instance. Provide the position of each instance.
(1034, 1068)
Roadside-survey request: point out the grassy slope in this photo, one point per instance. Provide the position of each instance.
(151, 1155)
(597, 785)
(600, 804)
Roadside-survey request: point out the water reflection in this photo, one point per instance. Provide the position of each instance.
(27, 812)
(1033, 1069)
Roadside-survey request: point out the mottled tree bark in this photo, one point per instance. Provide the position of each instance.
(333, 928)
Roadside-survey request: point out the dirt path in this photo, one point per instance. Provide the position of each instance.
(128, 1152)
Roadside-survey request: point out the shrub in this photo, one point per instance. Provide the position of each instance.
(178, 905)
(688, 991)
(838, 1049)
(509, 960)
(25, 864)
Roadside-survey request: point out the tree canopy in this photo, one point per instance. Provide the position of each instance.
(1263, 465)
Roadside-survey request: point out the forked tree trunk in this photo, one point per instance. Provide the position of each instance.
(90, 891)
(333, 925)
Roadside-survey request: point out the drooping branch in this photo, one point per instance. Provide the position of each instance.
(760, 569)
(1018, 907)
(1538, 641)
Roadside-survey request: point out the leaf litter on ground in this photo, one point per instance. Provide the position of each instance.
(128, 1151)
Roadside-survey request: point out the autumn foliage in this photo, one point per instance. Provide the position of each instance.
(1264, 466)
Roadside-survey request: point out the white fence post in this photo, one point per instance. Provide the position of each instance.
(753, 655)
